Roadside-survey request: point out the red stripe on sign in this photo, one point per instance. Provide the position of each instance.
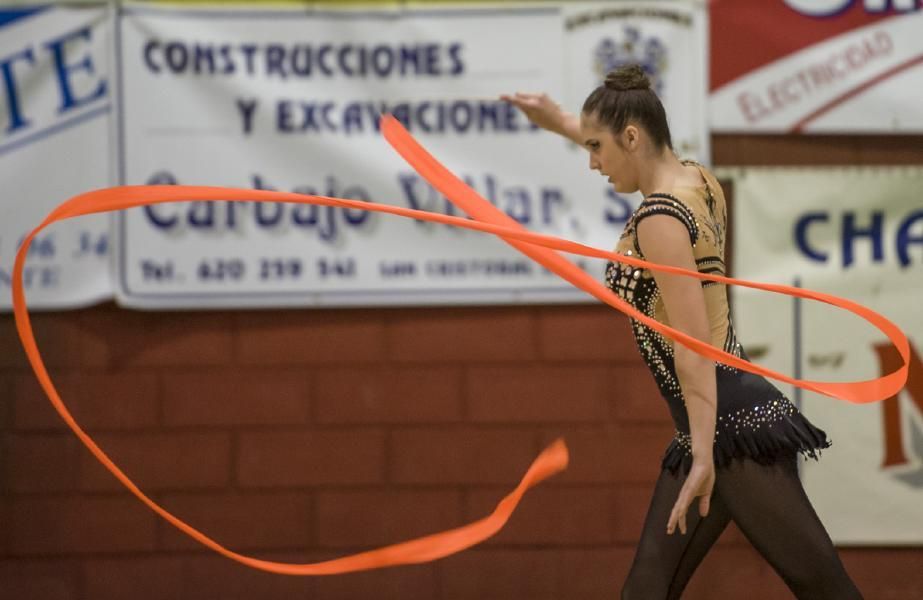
(800, 125)
(749, 34)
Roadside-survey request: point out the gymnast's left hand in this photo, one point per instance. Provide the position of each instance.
(699, 484)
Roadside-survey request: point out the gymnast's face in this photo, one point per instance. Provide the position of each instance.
(612, 155)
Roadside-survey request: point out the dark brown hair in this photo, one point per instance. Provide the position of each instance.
(625, 96)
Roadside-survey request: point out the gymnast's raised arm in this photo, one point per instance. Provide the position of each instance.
(547, 114)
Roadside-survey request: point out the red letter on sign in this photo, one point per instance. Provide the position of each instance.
(890, 361)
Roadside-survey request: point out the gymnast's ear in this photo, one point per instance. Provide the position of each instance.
(629, 138)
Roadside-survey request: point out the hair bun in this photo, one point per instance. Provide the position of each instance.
(627, 77)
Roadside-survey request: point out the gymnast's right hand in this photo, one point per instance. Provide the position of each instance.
(547, 114)
(538, 108)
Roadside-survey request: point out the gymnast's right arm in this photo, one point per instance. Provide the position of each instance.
(547, 114)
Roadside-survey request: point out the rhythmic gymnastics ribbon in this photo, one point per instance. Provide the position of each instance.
(488, 219)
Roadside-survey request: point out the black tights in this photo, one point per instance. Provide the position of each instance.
(769, 506)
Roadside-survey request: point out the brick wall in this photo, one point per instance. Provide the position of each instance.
(307, 435)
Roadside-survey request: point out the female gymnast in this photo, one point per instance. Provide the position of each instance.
(737, 437)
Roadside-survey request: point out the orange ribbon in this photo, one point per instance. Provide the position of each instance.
(489, 219)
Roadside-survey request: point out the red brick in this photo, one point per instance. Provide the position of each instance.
(732, 537)
(301, 337)
(240, 521)
(161, 461)
(582, 333)
(347, 457)
(12, 354)
(32, 410)
(759, 149)
(41, 463)
(735, 573)
(885, 573)
(41, 580)
(6, 407)
(125, 577)
(557, 516)
(641, 448)
(487, 574)
(6, 519)
(190, 577)
(228, 398)
(623, 453)
(634, 397)
(462, 334)
(119, 400)
(890, 150)
(412, 581)
(538, 393)
(631, 504)
(593, 574)
(135, 339)
(468, 455)
(221, 578)
(77, 525)
(592, 451)
(377, 518)
(60, 338)
(394, 395)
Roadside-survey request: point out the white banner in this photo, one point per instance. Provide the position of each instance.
(668, 39)
(289, 100)
(856, 233)
(55, 110)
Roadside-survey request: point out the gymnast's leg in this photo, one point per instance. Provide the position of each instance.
(664, 563)
(769, 505)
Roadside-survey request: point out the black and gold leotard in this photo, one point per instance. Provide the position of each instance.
(755, 419)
